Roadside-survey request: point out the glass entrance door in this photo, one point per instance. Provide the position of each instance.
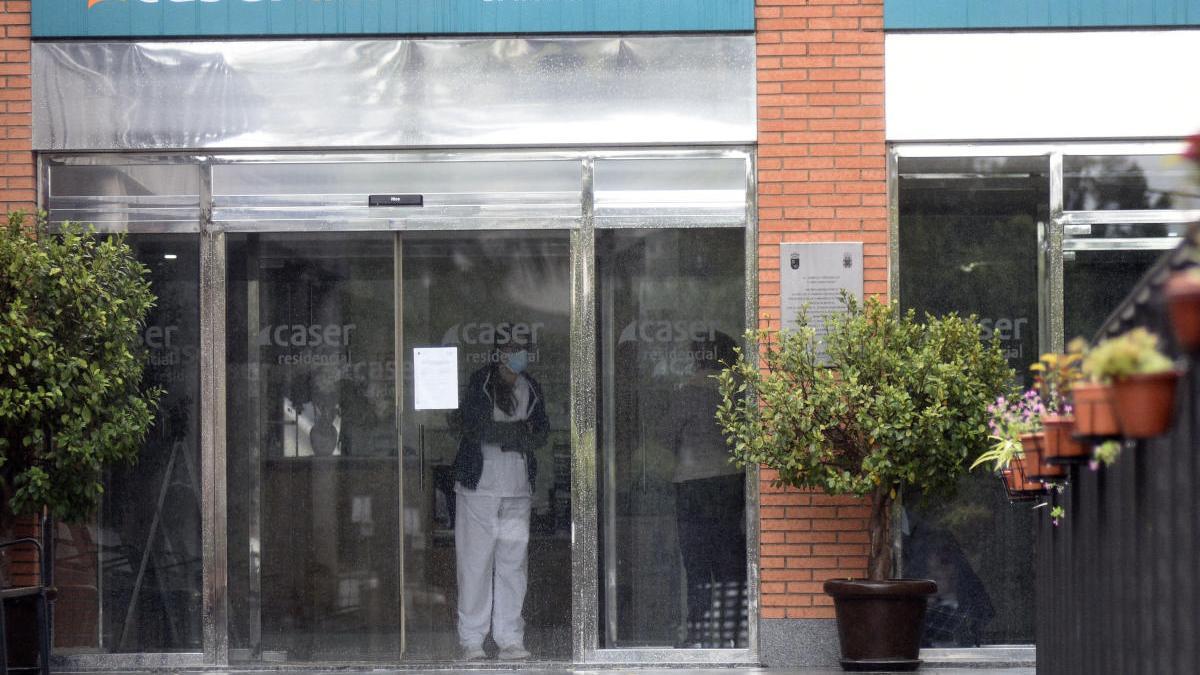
(487, 536)
(347, 538)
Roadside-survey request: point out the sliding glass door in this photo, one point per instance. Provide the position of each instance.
(475, 299)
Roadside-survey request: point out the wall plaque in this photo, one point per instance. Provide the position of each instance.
(814, 275)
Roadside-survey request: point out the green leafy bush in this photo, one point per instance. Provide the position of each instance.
(900, 403)
(71, 400)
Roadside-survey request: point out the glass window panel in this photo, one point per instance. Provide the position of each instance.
(397, 177)
(131, 580)
(1110, 182)
(624, 183)
(125, 180)
(313, 472)
(670, 307)
(1096, 280)
(968, 244)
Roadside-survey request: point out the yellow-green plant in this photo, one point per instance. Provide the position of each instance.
(1055, 375)
(1134, 352)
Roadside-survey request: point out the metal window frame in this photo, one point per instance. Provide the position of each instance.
(585, 486)
(1053, 240)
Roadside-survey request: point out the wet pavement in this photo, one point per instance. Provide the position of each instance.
(550, 670)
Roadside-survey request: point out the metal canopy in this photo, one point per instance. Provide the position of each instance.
(477, 92)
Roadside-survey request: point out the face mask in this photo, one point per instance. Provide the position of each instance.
(516, 361)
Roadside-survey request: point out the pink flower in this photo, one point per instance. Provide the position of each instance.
(1193, 149)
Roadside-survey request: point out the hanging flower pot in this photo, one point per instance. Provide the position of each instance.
(1095, 415)
(1034, 463)
(1018, 488)
(1061, 445)
(1183, 306)
(1146, 403)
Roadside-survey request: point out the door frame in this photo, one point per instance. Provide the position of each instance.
(199, 211)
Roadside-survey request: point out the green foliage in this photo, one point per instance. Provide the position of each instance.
(1057, 513)
(1003, 451)
(1106, 453)
(900, 403)
(1130, 353)
(71, 401)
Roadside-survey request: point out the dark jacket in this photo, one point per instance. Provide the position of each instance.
(479, 428)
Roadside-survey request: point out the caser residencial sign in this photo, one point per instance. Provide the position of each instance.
(197, 18)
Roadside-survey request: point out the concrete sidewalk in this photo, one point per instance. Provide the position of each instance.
(540, 670)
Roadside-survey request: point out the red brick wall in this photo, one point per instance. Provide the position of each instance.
(821, 177)
(17, 186)
(17, 189)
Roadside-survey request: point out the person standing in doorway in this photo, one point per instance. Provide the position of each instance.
(504, 421)
(709, 505)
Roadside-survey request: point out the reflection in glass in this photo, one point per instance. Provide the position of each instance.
(1111, 182)
(313, 472)
(968, 244)
(672, 506)
(1095, 281)
(487, 487)
(146, 541)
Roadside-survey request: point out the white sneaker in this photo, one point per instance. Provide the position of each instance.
(473, 653)
(515, 653)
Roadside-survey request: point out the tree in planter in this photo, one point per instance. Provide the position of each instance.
(899, 403)
(71, 399)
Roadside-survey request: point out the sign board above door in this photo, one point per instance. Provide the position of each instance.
(198, 18)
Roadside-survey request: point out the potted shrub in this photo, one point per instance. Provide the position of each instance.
(1143, 379)
(71, 310)
(880, 403)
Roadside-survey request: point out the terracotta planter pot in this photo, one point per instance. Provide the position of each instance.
(1019, 489)
(1034, 464)
(880, 622)
(1146, 404)
(1183, 306)
(1061, 445)
(1095, 414)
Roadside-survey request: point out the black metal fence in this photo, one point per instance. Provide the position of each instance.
(1118, 580)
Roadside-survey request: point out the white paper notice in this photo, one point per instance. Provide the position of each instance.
(435, 378)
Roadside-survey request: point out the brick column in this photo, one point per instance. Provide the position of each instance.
(822, 176)
(17, 182)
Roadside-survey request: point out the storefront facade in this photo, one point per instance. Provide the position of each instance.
(612, 181)
(323, 216)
